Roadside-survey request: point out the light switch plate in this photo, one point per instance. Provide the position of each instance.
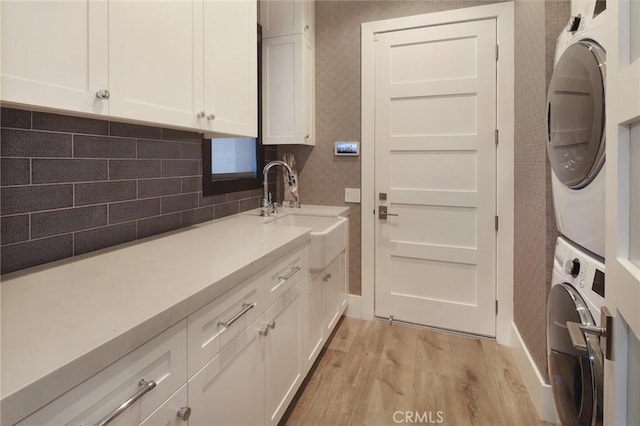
(352, 195)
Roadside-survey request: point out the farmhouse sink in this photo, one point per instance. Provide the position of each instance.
(328, 237)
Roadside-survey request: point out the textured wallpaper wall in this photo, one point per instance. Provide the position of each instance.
(323, 176)
(537, 27)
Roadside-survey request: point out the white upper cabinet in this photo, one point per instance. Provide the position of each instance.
(152, 66)
(279, 18)
(230, 95)
(186, 63)
(54, 54)
(288, 91)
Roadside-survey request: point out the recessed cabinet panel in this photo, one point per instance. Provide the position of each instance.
(230, 389)
(282, 355)
(230, 67)
(151, 61)
(330, 298)
(288, 92)
(54, 54)
(312, 315)
(282, 18)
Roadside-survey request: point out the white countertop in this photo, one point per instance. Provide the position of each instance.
(64, 322)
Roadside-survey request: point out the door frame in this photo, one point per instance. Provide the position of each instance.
(503, 13)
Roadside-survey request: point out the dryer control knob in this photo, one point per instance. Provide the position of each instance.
(572, 267)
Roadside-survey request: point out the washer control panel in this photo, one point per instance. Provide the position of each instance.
(580, 269)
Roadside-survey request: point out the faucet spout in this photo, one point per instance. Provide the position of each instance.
(265, 210)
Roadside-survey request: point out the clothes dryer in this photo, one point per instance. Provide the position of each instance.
(576, 129)
(576, 375)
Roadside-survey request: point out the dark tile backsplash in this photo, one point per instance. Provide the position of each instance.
(71, 185)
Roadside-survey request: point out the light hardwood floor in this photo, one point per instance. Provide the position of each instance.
(371, 370)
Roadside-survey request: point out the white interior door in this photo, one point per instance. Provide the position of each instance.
(435, 159)
(622, 293)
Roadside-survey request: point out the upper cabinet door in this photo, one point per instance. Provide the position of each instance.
(231, 67)
(54, 54)
(281, 18)
(153, 75)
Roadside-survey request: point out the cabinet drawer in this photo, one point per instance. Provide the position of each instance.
(162, 360)
(288, 271)
(212, 327)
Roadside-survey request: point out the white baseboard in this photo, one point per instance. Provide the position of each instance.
(354, 310)
(540, 392)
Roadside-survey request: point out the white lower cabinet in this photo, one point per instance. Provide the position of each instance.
(230, 389)
(282, 354)
(237, 361)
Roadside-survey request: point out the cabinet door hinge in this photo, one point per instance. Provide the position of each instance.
(496, 219)
(497, 136)
(497, 52)
(496, 307)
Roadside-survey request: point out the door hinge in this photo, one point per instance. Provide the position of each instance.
(497, 52)
(496, 219)
(374, 212)
(496, 307)
(497, 136)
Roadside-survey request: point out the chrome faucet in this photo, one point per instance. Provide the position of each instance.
(267, 206)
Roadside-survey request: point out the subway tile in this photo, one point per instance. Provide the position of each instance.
(26, 143)
(213, 199)
(257, 192)
(158, 149)
(134, 169)
(133, 210)
(181, 136)
(103, 147)
(23, 199)
(192, 184)
(189, 151)
(249, 204)
(69, 220)
(226, 209)
(32, 253)
(241, 195)
(104, 192)
(181, 168)
(67, 170)
(14, 229)
(69, 124)
(191, 217)
(158, 187)
(95, 239)
(134, 131)
(15, 171)
(158, 225)
(179, 202)
(15, 118)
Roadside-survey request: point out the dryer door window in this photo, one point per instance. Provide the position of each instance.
(576, 376)
(576, 114)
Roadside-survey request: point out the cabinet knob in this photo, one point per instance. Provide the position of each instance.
(271, 324)
(306, 136)
(306, 27)
(264, 331)
(201, 114)
(184, 413)
(211, 117)
(103, 94)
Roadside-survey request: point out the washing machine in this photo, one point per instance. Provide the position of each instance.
(576, 128)
(576, 374)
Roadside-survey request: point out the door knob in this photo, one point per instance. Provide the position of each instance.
(383, 213)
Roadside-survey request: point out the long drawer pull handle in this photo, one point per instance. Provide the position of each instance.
(290, 274)
(246, 307)
(144, 387)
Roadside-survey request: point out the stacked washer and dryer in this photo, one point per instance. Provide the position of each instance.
(576, 150)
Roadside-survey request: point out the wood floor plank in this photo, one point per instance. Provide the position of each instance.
(376, 374)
